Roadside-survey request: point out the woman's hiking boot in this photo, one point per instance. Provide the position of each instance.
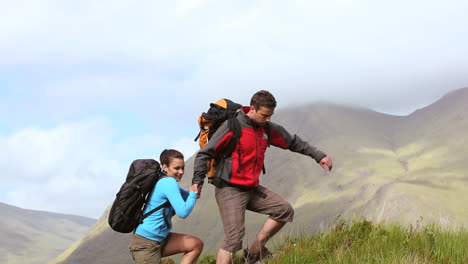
(257, 258)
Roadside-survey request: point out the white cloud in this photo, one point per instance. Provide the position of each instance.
(334, 51)
(187, 146)
(37, 153)
(73, 168)
(142, 146)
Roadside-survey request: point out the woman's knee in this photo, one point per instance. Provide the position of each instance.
(196, 244)
(199, 244)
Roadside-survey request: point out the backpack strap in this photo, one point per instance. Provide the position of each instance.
(268, 131)
(234, 126)
(166, 204)
(198, 136)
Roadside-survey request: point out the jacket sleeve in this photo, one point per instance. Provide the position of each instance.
(280, 137)
(184, 193)
(216, 145)
(182, 207)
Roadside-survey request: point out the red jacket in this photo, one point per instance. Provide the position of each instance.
(252, 146)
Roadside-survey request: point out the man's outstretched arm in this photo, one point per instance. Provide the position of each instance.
(280, 137)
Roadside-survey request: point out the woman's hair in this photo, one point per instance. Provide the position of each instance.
(263, 98)
(168, 155)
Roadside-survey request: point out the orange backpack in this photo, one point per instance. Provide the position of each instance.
(210, 121)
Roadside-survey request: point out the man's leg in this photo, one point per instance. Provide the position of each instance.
(269, 229)
(280, 212)
(232, 204)
(224, 257)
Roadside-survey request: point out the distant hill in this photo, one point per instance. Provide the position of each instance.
(30, 236)
(395, 168)
(100, 245)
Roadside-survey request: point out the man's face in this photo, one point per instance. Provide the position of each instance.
(261, 116)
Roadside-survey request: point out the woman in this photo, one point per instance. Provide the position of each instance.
(152, 239)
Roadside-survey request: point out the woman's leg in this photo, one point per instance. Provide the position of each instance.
(181, 243)
(145, 251)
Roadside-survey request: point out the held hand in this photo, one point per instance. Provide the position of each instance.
(326, 163)
(199, 190)
(196, 188)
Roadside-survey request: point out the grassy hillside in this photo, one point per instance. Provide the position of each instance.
(386, 167)
(367, 242)
(30, 236)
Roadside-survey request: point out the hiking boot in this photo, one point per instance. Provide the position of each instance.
(257, 258)
(250, 258)
(266, 254)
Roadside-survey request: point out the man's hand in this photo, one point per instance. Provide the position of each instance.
(326, 163)
(197, 189)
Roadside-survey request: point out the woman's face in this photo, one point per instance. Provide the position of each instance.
(175, 168)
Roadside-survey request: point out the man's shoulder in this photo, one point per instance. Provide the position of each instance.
(275, 126)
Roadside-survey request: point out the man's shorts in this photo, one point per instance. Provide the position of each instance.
(233, 202)
(147, 251)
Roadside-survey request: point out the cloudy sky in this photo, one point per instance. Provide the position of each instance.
(88, 86)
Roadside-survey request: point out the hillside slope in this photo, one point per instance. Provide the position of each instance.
(30, 236)
(100, 245)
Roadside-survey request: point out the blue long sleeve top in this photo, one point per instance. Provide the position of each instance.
(182, 203)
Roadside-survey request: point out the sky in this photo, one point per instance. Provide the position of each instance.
(88, 86)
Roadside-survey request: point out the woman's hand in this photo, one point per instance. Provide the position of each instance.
(196, 189)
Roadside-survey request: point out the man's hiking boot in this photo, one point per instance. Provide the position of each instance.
(258, 257)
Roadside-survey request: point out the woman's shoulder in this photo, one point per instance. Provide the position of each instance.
(165, 185)
(166, 180)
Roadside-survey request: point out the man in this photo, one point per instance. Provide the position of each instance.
(237, 176)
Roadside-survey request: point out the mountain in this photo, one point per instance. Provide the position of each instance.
(30, 236)
(411, 169)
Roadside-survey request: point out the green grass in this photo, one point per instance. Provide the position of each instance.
(366, 242)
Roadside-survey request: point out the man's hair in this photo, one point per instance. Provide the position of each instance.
(263, 98)
(168, 155)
